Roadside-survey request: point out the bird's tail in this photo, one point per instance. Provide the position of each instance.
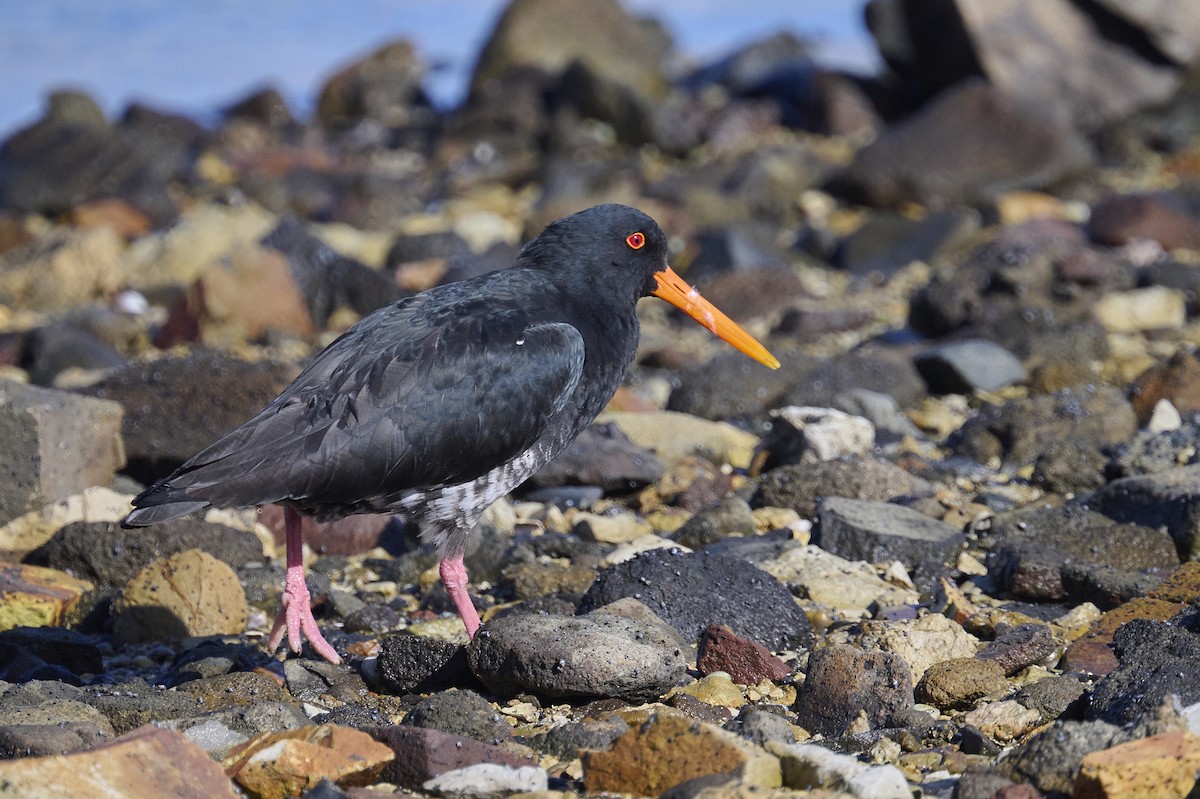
(161, 503)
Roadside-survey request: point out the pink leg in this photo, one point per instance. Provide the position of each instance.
(454, 577)
(296, 614)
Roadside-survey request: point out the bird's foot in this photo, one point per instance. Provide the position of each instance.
(454, 577)
(296, 619)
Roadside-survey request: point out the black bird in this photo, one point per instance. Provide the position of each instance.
(439, 404)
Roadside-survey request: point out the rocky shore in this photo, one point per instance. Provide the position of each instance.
(946, 550)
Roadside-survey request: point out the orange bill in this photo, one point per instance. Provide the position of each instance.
(673, 289)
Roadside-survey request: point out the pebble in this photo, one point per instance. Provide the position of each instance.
(183, 596)
(593, 655)
(669, 749)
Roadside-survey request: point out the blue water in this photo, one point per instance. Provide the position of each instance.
(194, 56)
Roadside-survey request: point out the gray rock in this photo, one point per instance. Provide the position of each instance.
(58, 738)
(220, 730)
(1016, 648)
(110, 555)
(486, 780)
(1061, 696)
(761, 724)
(463, 713)
(691, 591)
(595, 655)
(879, 532)
(844, 683)
(174, 407)
(971, 365)
(800, 487)
(1017, 431)
(57, 444)
(1169, 499)
(923, 158)
(129, 705)
(731, 517)
(568, 741)
(1050, 760)
(1149, 453)
(889, 241)
(602, 456)
(384, 87)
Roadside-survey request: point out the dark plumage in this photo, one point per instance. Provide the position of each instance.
(441, 403)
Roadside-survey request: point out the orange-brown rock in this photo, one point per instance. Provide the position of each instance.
(282, 764)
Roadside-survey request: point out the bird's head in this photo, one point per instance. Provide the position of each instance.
(614, 253)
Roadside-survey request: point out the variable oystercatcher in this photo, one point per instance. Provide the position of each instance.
(438, 405)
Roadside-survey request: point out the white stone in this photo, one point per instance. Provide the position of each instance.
(488, 779)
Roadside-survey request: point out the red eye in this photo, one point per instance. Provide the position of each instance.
(636, 241)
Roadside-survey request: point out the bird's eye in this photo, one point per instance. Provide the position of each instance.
(636, 241)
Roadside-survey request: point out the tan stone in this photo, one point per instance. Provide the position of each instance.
(1003, 721)
(620, 528)
(282, 764)
(1156, 307)
(147, 763)
(62, 270)
(95, 504)
(674, 436)
(921, 642)
(187, 594)
(33, 596)
(668, 749)
(1160, 767)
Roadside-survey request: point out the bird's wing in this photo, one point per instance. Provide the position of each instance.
(383, 409)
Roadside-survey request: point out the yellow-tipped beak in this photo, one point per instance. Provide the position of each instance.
(673, 289)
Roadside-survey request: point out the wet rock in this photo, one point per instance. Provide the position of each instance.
(1165, 764)
(146, 762)
(1016, 431)
(592, 655)
(415, 664)
(746, 662)
(458, 712)
(614, 45)
(36, 596)
(667, 750)
(1156, 659)
(185, 595)
(800, 487)
(844, 683)
(1119, 219)
(283, 764)
(58, 445)
(385, 87)
(972, 365)
(691, 591)
(923, 159)
(889, 241)
(328, 280)
(879, 532)
(958, 683)
(174, 407)
(836, 583)
(111, 555)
